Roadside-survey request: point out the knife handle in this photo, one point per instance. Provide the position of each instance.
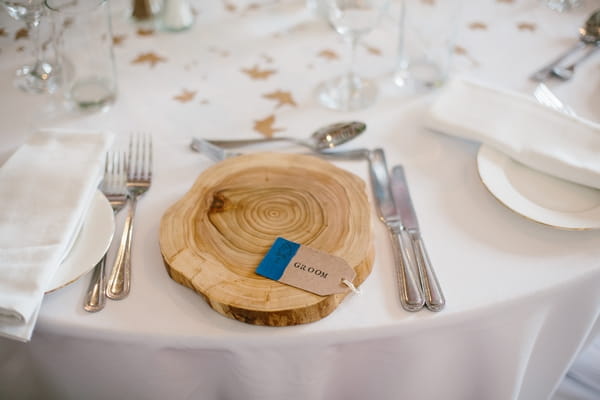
(434, 298)
(411, 296)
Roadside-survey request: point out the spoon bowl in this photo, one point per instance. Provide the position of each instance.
(327, 137)
(590, 31)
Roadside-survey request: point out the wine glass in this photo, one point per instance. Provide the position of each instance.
(41, 76)
(352, 19)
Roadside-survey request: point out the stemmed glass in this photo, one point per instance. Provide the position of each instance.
(352, 19)
(42, 76)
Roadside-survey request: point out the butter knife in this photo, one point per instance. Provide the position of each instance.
(411, 296)
(434, 298)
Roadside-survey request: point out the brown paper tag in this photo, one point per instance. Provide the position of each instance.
(306, 268)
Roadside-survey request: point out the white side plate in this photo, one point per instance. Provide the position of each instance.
(537, 196)
(89, 247)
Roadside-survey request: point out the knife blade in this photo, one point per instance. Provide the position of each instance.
(434, 298)
(411, 296)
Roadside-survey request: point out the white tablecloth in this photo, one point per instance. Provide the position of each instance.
(522, 298)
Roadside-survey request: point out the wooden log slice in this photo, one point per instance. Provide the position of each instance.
(214, 237)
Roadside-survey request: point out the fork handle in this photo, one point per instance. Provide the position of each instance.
(94, 298)
(120, 275)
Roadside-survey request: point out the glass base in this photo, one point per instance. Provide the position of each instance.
(347, 93)
(38, 78)
(421, 74)
(92, 94)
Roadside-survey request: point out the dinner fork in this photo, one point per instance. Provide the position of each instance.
(114, 189)
(139, 179)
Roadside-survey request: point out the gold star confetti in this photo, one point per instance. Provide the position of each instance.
(145, 32)
(150, 58)
(281, 97)
(118, 39)
(229, 6)
(328, 54)
(22, 34)
(265, 126)
(68, 22)
(257, 73)
(185, 96)
(477, 26)
(373, 50)
(461, 51)
(3, 32)
(526, 26)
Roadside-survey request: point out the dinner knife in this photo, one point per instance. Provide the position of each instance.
(434, 298)
(411, 296)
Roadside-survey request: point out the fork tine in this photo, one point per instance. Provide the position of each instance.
(140, 157)
(150, 152)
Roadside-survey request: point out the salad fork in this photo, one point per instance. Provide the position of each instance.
(114, 189)
(139, 179)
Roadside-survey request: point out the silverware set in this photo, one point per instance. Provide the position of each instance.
(127, 176)
(114, 188)
(417, 280)
(589, 40)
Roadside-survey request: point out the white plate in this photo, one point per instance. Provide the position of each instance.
(89, 247)
(537, 196)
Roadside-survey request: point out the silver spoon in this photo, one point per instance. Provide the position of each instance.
(589, 33)
(566, 73)
(327, 137)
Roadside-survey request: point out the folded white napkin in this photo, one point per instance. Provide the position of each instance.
(46, 187)
(537, 136)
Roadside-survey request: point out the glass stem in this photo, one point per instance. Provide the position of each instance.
(353, 42)
(34, 33)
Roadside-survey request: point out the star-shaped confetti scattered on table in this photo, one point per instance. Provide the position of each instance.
(281, 97)
(229, 6)
(3, 32)
(145, 32)
(373, 50)
(185, 96)
(328, 54)
(150, 58)
(256, 73)
(526, 26)
(265, 126)
(118, 39)
(22, 33)
(461, 51)
(477, 26)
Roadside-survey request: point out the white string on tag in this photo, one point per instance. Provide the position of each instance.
(351, 286)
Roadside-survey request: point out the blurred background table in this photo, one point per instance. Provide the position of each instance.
(523, 299)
